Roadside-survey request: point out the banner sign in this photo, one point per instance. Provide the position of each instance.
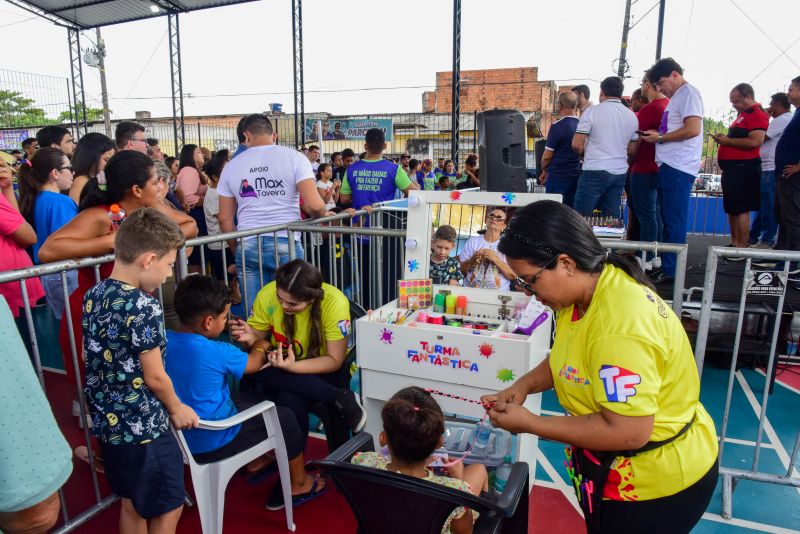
(346, 129)
(12, 139)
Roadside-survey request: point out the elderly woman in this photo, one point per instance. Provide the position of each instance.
(481, 264)
(643, 450)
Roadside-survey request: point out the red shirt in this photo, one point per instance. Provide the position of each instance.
(649, 119)
(749, 120)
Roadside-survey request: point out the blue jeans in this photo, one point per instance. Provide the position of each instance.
(599, 190)
(674, 187)
(55, 293)
(565, 187)
(250, 277)
(765, 226)
(647, 206)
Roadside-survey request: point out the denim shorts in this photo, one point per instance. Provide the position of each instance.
(250, 274)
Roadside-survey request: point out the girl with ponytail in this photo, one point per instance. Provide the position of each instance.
(41, 181)
(622, 366)
(89, 161)
(307, 323)
(130, 181)
(413, 427)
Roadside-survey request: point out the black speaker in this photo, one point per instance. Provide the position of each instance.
(501, 150)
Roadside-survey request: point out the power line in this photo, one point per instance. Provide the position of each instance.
(783, 52)
(464, 84)
(158, 44)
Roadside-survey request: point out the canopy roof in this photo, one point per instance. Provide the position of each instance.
(85, 14)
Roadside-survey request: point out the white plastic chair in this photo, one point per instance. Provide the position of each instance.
(210, 480)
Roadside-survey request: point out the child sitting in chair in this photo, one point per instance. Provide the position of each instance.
(413, 427)
(200, 367)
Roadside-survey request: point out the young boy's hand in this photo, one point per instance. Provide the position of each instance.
(184, 418)
(242, 332)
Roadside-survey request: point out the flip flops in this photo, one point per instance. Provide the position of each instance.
(275, 499)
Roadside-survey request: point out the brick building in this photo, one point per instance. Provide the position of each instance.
(515, 88)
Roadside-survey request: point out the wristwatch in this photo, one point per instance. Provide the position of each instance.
(660, 139)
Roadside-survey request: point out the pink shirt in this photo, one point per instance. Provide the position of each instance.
(12, 257)
(189, 182)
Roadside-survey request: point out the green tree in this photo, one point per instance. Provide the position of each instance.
(17, 110)
(92, 114)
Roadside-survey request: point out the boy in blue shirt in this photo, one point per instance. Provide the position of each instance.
(129, 395)
(200, 367)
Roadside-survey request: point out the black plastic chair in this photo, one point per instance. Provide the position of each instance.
(336, 432)
(392, 503)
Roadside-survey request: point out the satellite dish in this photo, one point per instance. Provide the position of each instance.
(91, 58)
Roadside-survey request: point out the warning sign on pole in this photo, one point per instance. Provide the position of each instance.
(766, 283)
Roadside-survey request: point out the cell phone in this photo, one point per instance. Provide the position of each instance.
(640, 132)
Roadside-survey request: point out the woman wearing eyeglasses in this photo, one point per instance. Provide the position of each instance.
(642, 449)
(481, 264)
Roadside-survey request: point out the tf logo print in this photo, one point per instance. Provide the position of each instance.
(619, 383)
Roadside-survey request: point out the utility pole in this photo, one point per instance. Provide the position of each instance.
(623, 48)
(101, 64)
(661, 9)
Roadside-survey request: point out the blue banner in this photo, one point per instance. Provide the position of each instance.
(345, 129)
(11, 139)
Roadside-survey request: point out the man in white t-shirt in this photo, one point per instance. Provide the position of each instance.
(605, 137)
(679, 147)
(765, 226)
(263, 187)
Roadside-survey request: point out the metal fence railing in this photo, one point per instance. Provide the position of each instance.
(361, 254)
(765, 282)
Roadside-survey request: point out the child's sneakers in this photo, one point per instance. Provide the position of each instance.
(351, 410)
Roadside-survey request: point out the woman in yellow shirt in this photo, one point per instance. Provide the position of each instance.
(643, 450)
(307, 323)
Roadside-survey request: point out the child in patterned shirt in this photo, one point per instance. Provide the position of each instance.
(444, 269)
(413, 427)
(128, 392)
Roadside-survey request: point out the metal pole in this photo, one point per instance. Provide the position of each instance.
(299, 93)
(661, 9)
(177, 81)
(101, 65)
(76, 68)
(456, 96)
(623, 47)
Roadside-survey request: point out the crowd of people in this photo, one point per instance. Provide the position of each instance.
(146, 362)
(650, 146)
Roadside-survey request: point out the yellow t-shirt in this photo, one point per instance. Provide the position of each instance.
(268, 317)
(629, 354)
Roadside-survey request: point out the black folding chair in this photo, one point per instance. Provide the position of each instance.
(393, 503)
(336, 432)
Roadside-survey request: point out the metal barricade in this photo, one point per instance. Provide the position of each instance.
(681, 252)
(765, 278)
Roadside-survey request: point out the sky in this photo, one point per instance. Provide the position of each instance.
(243, 53)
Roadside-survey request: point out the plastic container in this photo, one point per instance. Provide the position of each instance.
(458, 437)
(461, 305)
(438, 303)
(116, 214)
(450, 304)
(501, 474)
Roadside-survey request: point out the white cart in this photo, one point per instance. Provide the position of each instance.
(459, 361)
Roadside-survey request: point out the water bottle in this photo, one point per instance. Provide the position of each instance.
(116, 214)
(501, 474)
(483, 431)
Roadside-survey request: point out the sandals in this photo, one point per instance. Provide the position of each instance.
(82, 453)
(256, 477)
(275, 499)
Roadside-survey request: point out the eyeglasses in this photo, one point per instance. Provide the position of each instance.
(67, 167)
(528, 286)
(142, 140)
(498, 218)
